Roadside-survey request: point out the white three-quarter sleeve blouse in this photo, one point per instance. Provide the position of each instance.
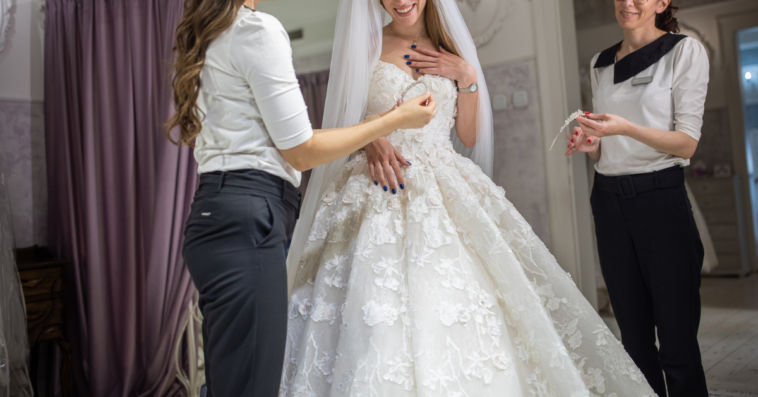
(662, 86)
(251, 100)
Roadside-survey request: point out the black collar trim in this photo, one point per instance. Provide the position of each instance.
(248, 8)
(639, 60)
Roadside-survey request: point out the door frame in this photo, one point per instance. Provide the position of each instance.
(570, 216)
(728, 27)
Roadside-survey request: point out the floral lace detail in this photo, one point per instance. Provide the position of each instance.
(442, 289)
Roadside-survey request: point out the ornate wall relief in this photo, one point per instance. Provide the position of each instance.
(484, 18)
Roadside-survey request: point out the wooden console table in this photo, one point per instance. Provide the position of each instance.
(41, 275)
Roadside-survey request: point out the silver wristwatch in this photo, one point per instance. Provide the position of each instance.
(472, 88)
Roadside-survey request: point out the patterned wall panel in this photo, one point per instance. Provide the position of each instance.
(519, 157)
(22, 162)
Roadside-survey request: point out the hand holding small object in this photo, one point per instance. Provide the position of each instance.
(606, 124)
(417, 119)
(566, 123)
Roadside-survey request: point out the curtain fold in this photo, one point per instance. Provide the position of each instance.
(313, 85)
(119, 192)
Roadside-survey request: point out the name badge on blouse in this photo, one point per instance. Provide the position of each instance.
(642, 80)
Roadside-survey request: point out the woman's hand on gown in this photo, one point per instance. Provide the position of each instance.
(385, 162)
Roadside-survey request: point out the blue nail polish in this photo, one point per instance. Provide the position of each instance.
(413, 46)
(417, 70)
(376, 183)
(408, 63)
(409, 163)
(402, 186)
(407, 56)
(385, 188)
(394, 191)
(442, 46)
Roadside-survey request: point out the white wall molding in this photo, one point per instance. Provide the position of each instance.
(568, 186)
(5, 21)
(21, 100)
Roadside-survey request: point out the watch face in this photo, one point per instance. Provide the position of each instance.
(474, 87)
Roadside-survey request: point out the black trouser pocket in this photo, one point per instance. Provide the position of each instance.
(261, 220)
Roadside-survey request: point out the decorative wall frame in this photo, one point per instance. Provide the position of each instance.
(696, 34)
(484, 18)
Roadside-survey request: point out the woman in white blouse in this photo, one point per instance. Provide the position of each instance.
(648, 96)
(252, 139)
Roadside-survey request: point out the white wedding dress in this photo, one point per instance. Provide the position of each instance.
(442, 289)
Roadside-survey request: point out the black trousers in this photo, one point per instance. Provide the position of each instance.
(234, 249)
(651, 256)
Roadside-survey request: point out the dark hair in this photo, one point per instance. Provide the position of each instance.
(203, 21)
(665, 21)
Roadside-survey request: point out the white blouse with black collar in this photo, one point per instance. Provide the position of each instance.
(662, 86)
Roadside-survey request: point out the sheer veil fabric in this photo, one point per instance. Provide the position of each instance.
(355, 53)
(14, 342)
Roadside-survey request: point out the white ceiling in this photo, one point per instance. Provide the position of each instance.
(297, 13)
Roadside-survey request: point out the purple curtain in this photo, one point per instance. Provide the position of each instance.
(119, 192)
(313, 85)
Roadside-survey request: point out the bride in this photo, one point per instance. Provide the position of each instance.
(440, 287)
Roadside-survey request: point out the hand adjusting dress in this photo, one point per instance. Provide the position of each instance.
(442, 289)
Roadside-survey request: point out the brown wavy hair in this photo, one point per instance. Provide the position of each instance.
(666, 22)
(435, 29)
(203, 21)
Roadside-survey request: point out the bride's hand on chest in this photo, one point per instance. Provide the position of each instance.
(443, 63)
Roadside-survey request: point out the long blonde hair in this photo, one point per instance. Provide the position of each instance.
(435, 29)
(203, 21)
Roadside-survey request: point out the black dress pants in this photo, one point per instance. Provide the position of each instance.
(651, 256)
(234, 249)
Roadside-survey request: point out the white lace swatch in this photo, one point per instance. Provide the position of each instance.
(568, 121)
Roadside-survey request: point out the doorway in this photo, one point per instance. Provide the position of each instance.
(739, 39)
(747, 58)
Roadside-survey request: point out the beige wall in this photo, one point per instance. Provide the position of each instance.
(21, 68)
(515, 40)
